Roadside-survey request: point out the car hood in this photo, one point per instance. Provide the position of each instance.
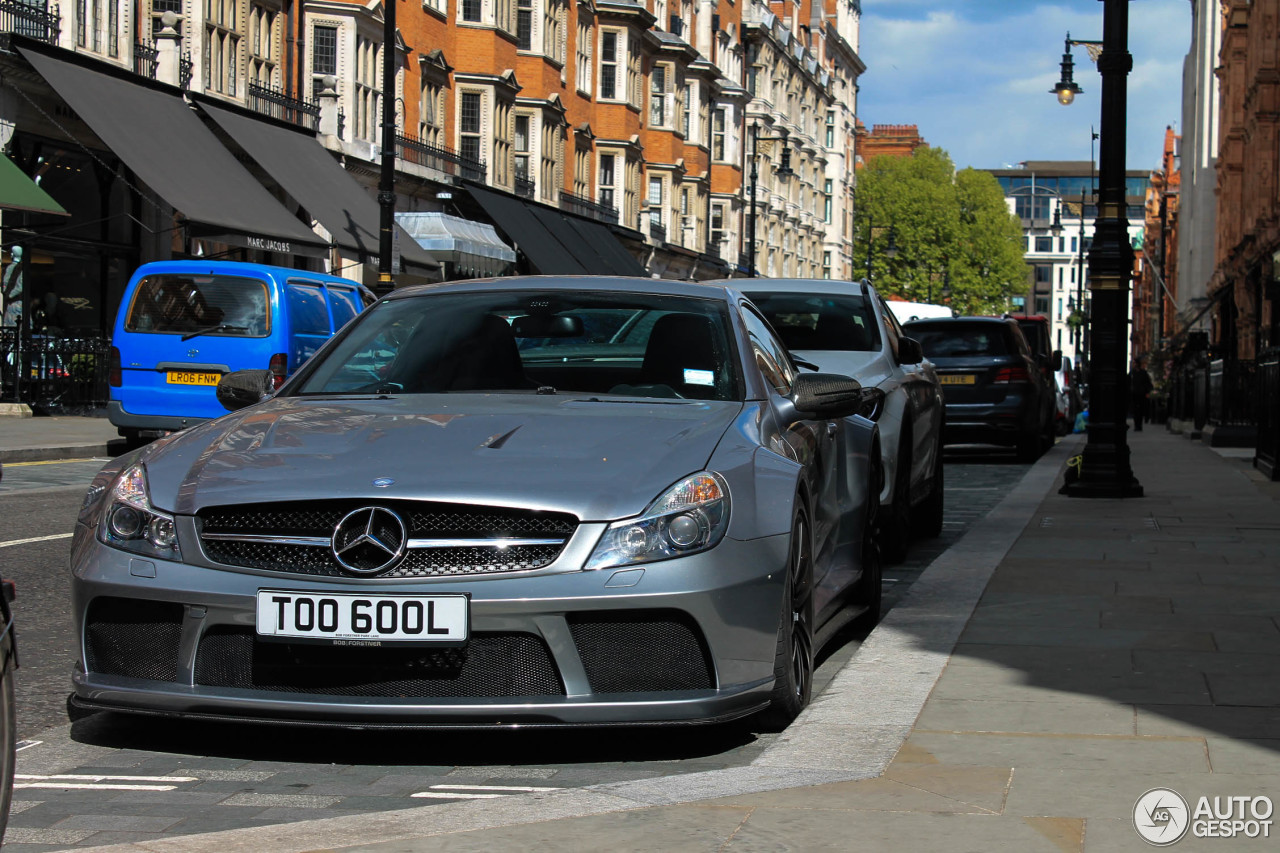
(599, 459)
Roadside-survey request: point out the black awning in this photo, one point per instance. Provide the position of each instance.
(572, 240)
(309, 173)
(620, 261)
(168, 147)
(527, 232)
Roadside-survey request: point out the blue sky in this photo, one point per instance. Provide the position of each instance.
(975, 75)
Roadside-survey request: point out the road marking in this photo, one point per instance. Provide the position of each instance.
(96, 782)
(477, 792)
(12, 542)
(26, 744)
(92, 786)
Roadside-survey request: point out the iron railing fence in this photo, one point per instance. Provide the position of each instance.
(30, 20)
(268, 100)
(1231, 392)
(525, 187)
(584, 206)
(438, 157)
(146, 59)
(1267, 454)
(55, 374)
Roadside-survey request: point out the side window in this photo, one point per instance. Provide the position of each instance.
(892, 331)
(343, 302)
(308, 321)
(769, 353)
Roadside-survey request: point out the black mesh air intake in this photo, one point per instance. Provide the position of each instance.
(490, 665)
(132, 637)
(638, 651)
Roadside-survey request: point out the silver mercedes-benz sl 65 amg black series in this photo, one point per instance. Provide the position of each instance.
(518, 501)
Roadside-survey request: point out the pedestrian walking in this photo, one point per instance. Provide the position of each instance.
(1139, 392)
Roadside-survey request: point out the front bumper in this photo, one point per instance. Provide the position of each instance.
(685, 640)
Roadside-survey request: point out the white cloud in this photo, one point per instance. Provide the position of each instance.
(976, 79)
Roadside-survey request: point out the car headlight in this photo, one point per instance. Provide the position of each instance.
(689, 517)
(130, 522)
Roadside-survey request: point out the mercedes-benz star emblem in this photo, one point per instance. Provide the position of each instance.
(369, 540)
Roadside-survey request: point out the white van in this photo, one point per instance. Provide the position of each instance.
(906, 311)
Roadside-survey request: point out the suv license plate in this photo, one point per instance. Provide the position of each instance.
(351, 619)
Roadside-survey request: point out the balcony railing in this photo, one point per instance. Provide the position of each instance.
(32, 21)
(525, 187)
(146, 58)
(185, 69)
(584, 206)
(438, 157)
(657, 231)
(271, 101)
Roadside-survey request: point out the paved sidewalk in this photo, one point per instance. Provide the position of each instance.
(1022, 697)
(39, 439)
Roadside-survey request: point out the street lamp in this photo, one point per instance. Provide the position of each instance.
(387, 182)
(1104, 471)
(890, 249)
(784, 170)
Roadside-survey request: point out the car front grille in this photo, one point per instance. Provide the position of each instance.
(467, 539)
(501, 665)
(132, 637)
(641, 651)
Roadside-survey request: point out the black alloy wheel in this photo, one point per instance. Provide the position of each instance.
(794, 655)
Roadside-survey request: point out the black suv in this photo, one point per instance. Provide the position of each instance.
(995, 389)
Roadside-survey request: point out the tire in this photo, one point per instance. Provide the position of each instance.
(793, 658)
(8, 743)
(895, 529)
(1028, 447)
(928, 518)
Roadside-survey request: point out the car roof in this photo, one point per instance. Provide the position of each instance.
(960, 321)
(243, 268)
(799, 285)
(621, 284)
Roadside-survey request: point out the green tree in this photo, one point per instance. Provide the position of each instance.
(951, 230)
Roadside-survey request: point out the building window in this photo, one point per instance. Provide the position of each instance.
(469, 139)
(717, 227)
(158, 8)
(655, 201)
(631, 194)
(831, 128)
(582, 172)
(553, 17)
(826, 265)
(635, 80)
(522, 151)
(524, 24)
(262, 46)
(583, 57)
(471, 11)
(717, 135)
(684, 111)
(431, 127)
(608, 181)
(609, 64)
(367, 96)
(324, 55)
(826, 200)
(503, 130)
(1044, 244)
(659, 102)
(221, 46)
(552, 154)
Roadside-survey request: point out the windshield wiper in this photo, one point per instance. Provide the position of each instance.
(221, 327)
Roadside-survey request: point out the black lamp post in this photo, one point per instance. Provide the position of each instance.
(1104, 471)
(784, 170)
(890, 249)
(387, 182)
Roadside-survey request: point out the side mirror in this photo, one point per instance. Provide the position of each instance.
(1057, 360)
(243, 388)
(826, 395)
(909, 351)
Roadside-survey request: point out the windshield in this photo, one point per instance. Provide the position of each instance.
(955, 340)
(628, 344)
(821, 322)
(207, 304)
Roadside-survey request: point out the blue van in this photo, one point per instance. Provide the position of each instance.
(182, 325)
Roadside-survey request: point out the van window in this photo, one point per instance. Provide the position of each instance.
(224, 305)
(308, 321)
(345, 305)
